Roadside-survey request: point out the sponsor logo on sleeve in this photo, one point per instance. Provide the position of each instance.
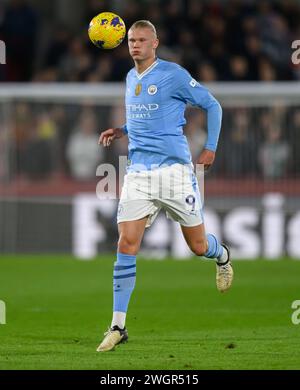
(194, 83)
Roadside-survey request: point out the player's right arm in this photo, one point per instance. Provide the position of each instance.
(107, 136)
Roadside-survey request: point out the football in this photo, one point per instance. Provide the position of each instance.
(107, 30)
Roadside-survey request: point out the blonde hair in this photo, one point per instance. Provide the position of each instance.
(144, 24)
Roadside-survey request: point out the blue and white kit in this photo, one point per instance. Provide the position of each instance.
(155, 103)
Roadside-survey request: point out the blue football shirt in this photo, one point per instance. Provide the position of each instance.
(155, 103)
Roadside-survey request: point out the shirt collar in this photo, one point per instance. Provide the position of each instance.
(146, 71)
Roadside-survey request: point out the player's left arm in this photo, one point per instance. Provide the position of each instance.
(196, 94)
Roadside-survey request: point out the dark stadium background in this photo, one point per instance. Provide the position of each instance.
(57, 93)
(252, 192)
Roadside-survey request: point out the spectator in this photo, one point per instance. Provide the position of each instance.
(266, 71)
(273, 155)
(240, 147)
(19, 30)
(294, 121)
(206, 72)
(21, 125)
(40, 152)
(83, 152)
(239, 68)
(57, 47)
(241, 40)
(76, 62)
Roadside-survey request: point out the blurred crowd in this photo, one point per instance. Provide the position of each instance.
(216, 40)
(44, 140)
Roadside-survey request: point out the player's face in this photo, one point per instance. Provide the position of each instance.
(142, 43)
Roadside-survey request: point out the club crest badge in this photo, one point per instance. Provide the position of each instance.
(152, 89)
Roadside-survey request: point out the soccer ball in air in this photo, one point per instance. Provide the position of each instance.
(107, 30)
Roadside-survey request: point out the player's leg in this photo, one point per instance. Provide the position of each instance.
(130, 237)
(136, 211)
(202, 244)
(207, 245)
(185, 207)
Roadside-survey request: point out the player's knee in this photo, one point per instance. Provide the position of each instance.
(128, 245)
(199, 248)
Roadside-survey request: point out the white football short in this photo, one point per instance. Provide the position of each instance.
(173, 188)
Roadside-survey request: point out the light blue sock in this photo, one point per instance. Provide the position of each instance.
(215, 249)
(124, 281)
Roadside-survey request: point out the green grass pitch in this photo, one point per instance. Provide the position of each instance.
(58, 308)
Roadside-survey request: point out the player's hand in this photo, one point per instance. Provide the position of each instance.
(107, 136)
(206, 158)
